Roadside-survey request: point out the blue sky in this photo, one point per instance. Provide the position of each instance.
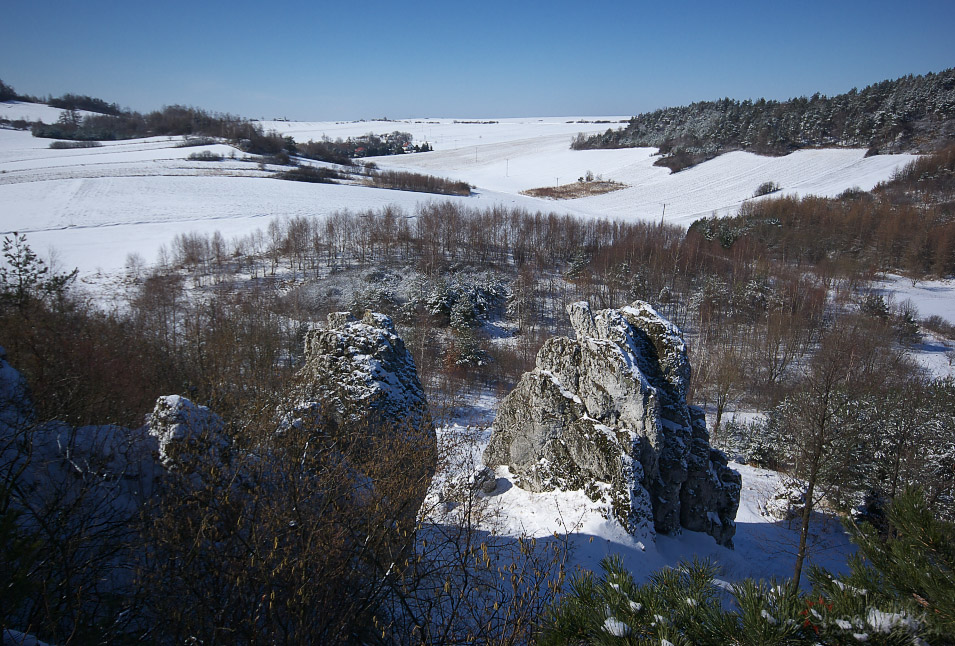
(351, 60)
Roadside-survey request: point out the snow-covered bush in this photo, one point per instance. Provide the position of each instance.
(462, 299)
(749, 442)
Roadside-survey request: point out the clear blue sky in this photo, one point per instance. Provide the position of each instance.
(350, 60)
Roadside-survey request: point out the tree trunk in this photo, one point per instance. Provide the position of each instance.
(806, 517)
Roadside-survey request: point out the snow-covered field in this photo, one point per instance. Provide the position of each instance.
(14, 110)
(930, 298)
(451, 134)
(718, 186)
(96, 205)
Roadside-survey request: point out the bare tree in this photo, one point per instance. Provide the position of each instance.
(821, 421)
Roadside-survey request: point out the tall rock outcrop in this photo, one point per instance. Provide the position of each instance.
(359, 396)
(607, 413)
(187, 434)
(359, 372)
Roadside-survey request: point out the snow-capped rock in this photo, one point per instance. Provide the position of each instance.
(186, 432)
(607, 413)
(359, 372)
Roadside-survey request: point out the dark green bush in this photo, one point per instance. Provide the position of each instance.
(67, 145)
(314, 174)
(83, 102)
(204, 155)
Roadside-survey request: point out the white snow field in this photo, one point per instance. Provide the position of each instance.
(930, 298)
(718, 186)
(96, 205)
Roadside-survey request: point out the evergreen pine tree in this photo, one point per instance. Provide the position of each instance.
(915, 562)
(26, 276)
(900, 590)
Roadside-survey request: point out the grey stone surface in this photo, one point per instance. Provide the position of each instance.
(186, 433)
(359, 372)
(607, 413)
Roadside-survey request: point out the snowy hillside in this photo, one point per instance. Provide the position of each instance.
(15, 110)
(718, 186)
(96, 205)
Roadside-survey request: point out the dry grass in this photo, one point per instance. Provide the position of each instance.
(575, 190)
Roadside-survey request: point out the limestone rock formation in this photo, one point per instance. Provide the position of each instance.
(359, 372)
(186, 432)
(359, 396)
(100, 493)
(607, 413)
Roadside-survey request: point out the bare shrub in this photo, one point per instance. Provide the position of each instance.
(314, 174)
(205, 155)
(418, 183)
(67, 145)
(940, 326)
(299, 537)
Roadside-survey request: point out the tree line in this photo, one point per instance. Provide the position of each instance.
(905, 225)
(912, 112)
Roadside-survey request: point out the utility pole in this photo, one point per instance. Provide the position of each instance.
(664, 214)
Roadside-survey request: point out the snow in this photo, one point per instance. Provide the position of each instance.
(616, 627)
(94, 206)
(764, 547)
(935, 354)
(884, 622)
(930, 297)
(14, 110)
(449, 134)
(16, 638)
(718, 186)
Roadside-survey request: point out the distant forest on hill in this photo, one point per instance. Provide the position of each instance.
(909, 113)
(108, 122)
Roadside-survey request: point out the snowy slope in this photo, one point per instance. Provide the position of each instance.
(94, 223)
(718, 186)
(764, 547)
(930, 298)
(449, 134)
(14, 110)
(95, 205)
